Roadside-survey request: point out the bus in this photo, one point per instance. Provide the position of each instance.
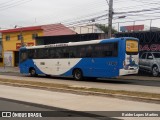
(94, 59)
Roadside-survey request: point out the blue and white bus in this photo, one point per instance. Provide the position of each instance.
(96, 58)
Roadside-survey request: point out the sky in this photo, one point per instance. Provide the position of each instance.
(73, 12)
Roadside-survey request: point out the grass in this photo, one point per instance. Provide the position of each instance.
(23, 83)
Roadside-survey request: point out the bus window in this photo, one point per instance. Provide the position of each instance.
(52, 52)
(23, 56)
(40, 54)
(65, 52)
(30, 54)
(73, 52)
(89, 51)
(82, 51)
(106, 50)
(59, 53)
(46, 53)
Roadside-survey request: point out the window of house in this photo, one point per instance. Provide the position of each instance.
(34, 36)
(19, 37)
(7, 37)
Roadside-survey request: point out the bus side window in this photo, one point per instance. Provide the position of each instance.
(65, 52)
(73, 53)
(111, 50)
(89, 51)
(106, 50)
(82, 52)
(30, 54)
(97, 51)
(23, 56)
(46, 53)
(35, 55)
(115, 50)
(58, 53)
(40, 54)
(52, 52)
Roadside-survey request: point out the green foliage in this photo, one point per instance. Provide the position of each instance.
(105, 28)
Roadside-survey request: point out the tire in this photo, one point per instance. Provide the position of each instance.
(77, 74)
(48, 76)
(155, 71)
(33, 73)
(91, 78)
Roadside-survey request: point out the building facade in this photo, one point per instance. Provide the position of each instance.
(131, 28)
(12, 39)
(1, 59)
(87, 29)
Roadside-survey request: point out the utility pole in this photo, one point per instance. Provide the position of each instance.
(110, 17)
(21, 35)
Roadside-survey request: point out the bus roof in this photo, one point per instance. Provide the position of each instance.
(79, 43)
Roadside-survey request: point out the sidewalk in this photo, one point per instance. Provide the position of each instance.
(9, 69)
(73, 101)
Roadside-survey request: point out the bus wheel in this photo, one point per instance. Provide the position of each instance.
(33, 72)
(155, 71)
(77, 74)
(48, 76)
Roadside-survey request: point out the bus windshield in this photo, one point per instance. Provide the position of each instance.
(132, 47)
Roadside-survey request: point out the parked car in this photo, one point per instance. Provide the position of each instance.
(150, 61)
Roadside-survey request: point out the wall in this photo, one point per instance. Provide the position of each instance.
(1, 57)
(86, 29)
(10, 45)
(8, 58)
(14, 44)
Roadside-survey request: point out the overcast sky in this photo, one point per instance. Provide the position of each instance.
(38, 12)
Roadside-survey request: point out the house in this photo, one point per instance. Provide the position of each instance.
(86, 29)
(13, 39)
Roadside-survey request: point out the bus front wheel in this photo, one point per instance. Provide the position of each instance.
(77, 74)
(33, 72)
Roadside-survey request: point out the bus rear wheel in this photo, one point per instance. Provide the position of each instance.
(33, 72)
(77, 74)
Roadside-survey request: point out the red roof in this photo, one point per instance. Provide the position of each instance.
(56, 30)
(48, 30)
(22, 29)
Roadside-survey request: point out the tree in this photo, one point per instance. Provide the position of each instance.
(105, 28)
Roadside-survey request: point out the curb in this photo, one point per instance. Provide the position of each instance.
(82, 92)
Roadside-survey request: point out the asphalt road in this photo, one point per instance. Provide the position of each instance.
(128, 83)
(143, 79)
(43, 112)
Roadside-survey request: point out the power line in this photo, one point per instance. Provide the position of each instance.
(137, 6)
(14, 4)
(3, 3)
(138, 11)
